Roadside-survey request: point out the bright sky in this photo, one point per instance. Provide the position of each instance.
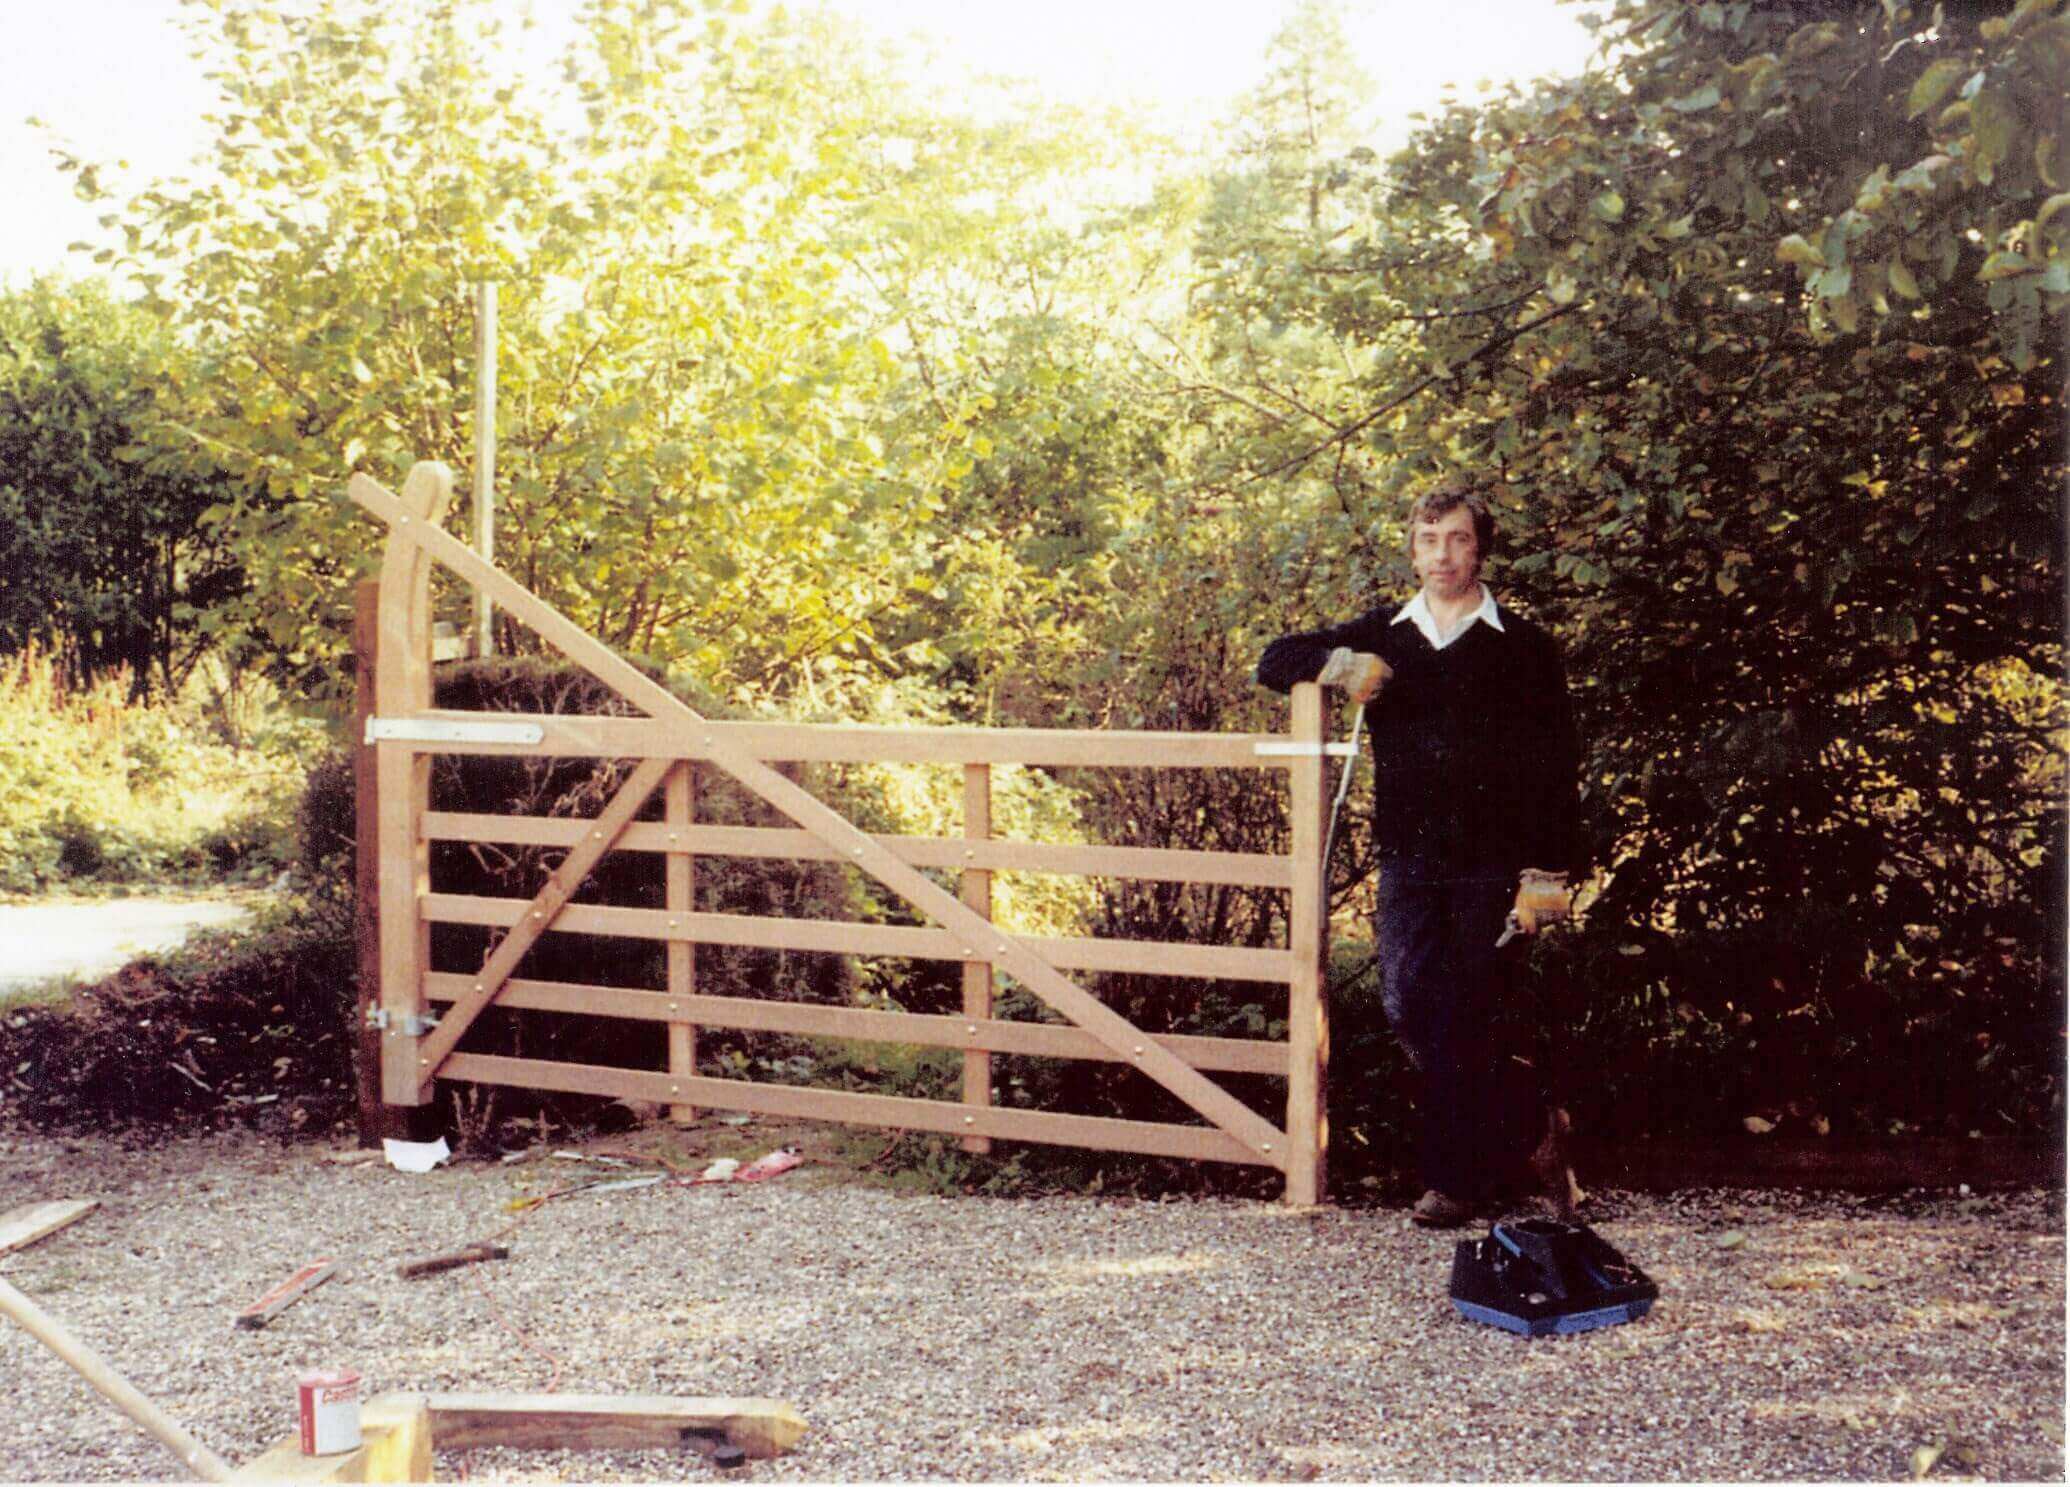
(113, 78)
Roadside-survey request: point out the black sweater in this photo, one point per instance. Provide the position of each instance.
(1475, 758)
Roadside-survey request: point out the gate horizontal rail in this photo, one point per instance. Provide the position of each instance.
(861, 1024)
(844, 937)
(1169, 864)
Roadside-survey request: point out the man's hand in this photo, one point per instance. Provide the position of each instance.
(1543, 899)
(1358, 672)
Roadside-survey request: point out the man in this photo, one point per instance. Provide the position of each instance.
(1475, 763)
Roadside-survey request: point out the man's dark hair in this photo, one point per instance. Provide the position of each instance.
(1441, 501)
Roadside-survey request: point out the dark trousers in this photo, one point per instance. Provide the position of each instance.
(1443, 986)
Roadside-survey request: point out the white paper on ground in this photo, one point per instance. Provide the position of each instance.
(415, 1156)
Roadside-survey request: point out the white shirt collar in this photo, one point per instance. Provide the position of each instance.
(1417, 612)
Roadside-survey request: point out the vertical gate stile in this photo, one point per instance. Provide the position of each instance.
(1308, 923)
(975, 889)
(366, 864)
(682, 954)
(402, 687)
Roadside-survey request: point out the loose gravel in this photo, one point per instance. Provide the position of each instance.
(980, 1339)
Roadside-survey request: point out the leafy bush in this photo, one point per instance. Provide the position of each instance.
(109, 561)
(94, 789)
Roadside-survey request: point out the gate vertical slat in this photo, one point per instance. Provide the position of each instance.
(681, 810)
(975, 889)
(1308, 922)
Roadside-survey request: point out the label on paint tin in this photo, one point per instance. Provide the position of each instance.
(329, 1403)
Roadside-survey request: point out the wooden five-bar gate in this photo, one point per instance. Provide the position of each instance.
(418, 1044)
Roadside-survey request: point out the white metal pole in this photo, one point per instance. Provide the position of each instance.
(484, 451)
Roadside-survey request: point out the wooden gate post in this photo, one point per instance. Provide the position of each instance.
(975, 889)
(366, 863)
(1308, 929)
(402, 687)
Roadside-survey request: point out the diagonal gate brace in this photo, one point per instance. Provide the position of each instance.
(980, 938)
(543, 910)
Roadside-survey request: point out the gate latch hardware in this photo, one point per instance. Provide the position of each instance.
(414, 1024)
(1303, 750)
(451, 731)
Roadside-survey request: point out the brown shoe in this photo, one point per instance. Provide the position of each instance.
(1436, 1210)
(1552, 1167)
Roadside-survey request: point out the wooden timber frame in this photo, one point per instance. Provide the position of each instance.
(672, 743)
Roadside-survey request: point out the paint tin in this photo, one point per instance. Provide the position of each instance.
(329, 1404)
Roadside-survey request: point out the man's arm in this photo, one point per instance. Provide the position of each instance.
(1543, 893)
(1329, 656)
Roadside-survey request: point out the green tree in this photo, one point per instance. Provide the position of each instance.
(107, 564)
(686, 458)
(1762, 345)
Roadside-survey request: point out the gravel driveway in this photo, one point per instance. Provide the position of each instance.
(1052, 1339)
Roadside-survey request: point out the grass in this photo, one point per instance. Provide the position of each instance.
(95, 792)
(55, 992)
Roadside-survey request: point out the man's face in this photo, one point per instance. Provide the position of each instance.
(1447, 555)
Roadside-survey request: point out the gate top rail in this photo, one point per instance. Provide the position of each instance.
(459, 731)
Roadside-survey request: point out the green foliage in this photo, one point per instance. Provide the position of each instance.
(194, 789)
(695, 404)
(1777, 434)
(108, 564)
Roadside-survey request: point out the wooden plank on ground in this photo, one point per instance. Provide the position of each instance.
(287, 1293)
(863, 1024)
(605, 1422)
(22, 1227)
(897, 1112)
